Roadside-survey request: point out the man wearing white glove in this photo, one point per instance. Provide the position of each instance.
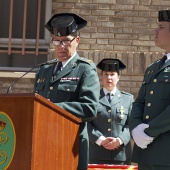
(140, 137)
(150, 117)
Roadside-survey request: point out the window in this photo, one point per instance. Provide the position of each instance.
(23, 37)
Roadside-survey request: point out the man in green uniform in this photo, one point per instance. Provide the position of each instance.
(150, 116)
(72, 83)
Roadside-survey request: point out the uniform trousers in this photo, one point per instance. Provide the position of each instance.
(142, 166)
(110, 162)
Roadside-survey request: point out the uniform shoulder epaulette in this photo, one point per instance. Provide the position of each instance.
(123, 92)
(157, 61)
(86, 60)
(52, 61)
(49, 63)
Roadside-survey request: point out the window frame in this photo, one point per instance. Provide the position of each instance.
(16, 43)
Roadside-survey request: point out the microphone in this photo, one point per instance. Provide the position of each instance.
(38, 65)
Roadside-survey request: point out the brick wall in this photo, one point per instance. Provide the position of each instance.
(116, 29)
(24, 85)
(130, 80)
(121, 29)
(115, 25)
(136, 62)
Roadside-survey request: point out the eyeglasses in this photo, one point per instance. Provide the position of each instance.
(65, 42)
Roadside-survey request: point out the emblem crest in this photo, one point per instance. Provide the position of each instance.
(7, 140)
(122, 111)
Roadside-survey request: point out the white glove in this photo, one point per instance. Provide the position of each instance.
(140, 137)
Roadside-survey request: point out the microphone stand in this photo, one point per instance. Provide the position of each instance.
(46, 63)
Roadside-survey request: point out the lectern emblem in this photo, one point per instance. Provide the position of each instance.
(7, 140)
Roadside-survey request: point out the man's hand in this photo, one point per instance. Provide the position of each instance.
(140, 137)
(110, 143)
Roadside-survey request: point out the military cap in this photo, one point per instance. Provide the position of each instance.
(63, 24)
(164, 15)
(109, 64)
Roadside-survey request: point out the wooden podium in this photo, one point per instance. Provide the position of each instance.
(46, 135)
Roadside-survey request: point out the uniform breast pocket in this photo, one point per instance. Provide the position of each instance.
(67, 87)
(146, 82)
(164, 86)
(121, 115)
(68, 92)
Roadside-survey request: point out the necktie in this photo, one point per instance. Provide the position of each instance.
(162, 61)
(109, 97)
(58, 68)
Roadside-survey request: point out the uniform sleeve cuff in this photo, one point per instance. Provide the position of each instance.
(99, 140)
(120, 141)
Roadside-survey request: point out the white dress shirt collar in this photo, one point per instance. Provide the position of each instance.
(168, 57)
(64, 63)
(112, 92)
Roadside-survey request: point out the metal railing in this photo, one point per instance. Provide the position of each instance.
(9, 48)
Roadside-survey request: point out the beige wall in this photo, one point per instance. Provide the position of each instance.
(116, 29)
(115, 25)
(122, 29)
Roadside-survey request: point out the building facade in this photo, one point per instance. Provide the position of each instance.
(122, 29)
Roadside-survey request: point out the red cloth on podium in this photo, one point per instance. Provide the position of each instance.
(111, 167)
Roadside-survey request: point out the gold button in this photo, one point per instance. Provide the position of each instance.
(147, 117)
(51, 88)
(151, 92)
(109, 129)
(109, 111)
(109, 120)
(68, 89)
(155, 80)
(149, 104)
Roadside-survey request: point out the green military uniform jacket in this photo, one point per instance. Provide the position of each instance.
(76, 89)
(152, 107)
(109, 123)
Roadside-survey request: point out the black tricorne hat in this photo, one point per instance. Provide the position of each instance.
(64, 24)
(112, 65)
(164, 15)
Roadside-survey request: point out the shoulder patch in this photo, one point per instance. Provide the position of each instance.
(85, 60)
(123, 92)
(157, 61)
